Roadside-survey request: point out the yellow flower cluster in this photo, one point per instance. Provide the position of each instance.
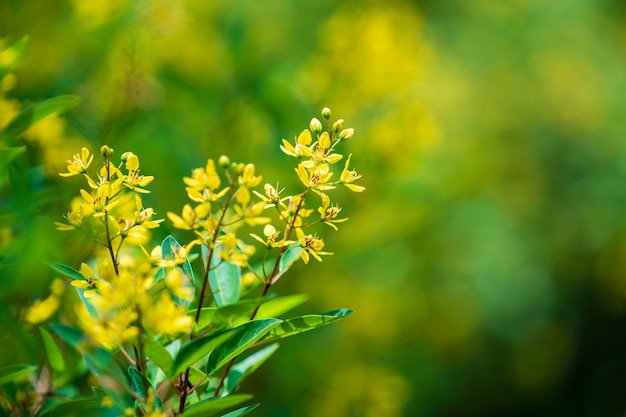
(122, 294)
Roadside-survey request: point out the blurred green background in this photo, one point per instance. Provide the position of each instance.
(486, 261)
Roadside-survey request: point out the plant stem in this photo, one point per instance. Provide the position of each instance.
(266, 286)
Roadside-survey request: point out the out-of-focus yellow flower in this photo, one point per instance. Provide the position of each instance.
(176, 284)
(348, 177)
(166, 318)
(78, 164)
(248, 178)
(42, 310)
(89, 284)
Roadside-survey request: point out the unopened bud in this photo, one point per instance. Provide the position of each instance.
(346, 134)
(126, 155)
(326, 113)
(316, 126)
(106, 152)
(224, 161)
(240, 168)
(338, 125)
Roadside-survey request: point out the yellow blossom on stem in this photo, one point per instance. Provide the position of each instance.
(348, 177)
(310, 245)
(329, 212)
(78, 164)
(301, 147)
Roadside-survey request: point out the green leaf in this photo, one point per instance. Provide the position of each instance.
(8, 154)
(32, 114)
(16, 373)
(245, 336)
(290, 257)
(247, 366)
(137, 381)
(55, 359)
(71, 335)
(67, 408)
(17, 49)
(224, 279)
(303, 324)
(65, 270)
(280, 305)
(216, 317)
(196, 349)
(169, 249)
(157, 354)
(242, 411)
(213, 406)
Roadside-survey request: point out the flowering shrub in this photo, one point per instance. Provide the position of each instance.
(174, 329)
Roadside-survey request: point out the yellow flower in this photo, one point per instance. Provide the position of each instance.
(347, 177)
(89, 284)
(310, 245)
(78, 164)
(329, 213)
(317, 179)
(166, 318)
(248, 178)
(272, 237)
(301, 147)
(134, 180)
(42, 310)
(322, 153)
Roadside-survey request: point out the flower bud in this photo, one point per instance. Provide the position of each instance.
(224, 161)
(338, 125)
(126, 155)
(240, 168)
(316, 126)
(106, 152)
(326, 113)
(346, 134)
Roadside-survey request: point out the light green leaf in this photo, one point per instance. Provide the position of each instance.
(303, 324)
(280, 305)
(224, 279)
(290, 257)
(245, 336)
(157, 354)
(55, 359)
(169, 248)
(16, 373)
(247, 366)
(32, 114)
(216, 317)
(65, 270)
(242, 411)
(196, 349)
(214, 406)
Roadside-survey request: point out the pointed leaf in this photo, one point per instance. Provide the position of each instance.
(196, 349)
(214, 406)
(247, 366)
(139, 383)
(55, 359)
(241, 411)
(8, 154)
(216, 317)
(157, 354)
(16, 373)
(65, 270)
(303, 324)
(32, 114)
(224, 279)
(245, 336)
(75, 407)
(280, 305)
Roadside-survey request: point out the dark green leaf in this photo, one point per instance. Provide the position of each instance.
(216, 317)
(65, 270)
(303, 324)
(8, 154)
(224, 279)
(247, 366)
(245, 335)
(157, 354)
(55, 359)
(242, 411)
(32, 114)
(214, 406)
(289, 258)
(16, 373)
(196, 349)
(67, 408)
(139, 384)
